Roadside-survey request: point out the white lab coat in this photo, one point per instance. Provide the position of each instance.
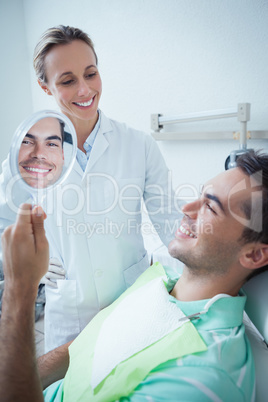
(94, 226)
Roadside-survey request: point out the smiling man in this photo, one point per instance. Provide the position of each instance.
(213, 240)
(41, 156)
(168, 337)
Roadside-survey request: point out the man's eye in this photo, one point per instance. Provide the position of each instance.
(210, 208)
(26, 142)
(52, 144)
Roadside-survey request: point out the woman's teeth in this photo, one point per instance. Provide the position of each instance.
(187, 232)
(84, 103)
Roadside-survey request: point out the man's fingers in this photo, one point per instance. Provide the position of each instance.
(38, 217)
(24, 214)
(38, 213)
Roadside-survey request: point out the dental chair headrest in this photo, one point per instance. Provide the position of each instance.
(256, 307)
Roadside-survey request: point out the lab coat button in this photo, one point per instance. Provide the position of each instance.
(98, 273)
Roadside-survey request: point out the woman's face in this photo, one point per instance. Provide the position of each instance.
(74, 81)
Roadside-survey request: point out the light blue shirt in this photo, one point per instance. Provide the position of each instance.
(224, 372)
(82, 158)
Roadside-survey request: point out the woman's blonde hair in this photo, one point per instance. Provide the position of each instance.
(59, 35)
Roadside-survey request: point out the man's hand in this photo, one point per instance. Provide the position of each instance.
(25, 261)
(25, 249)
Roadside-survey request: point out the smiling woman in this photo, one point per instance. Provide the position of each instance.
(74, 81)
(66, 66)
(116, 169)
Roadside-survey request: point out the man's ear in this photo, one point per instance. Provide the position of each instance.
(254, 256)
(44, 87)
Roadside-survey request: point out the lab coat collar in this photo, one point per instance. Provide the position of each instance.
(100, 145)
(105, 124)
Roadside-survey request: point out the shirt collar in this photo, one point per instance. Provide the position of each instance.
(225, 311)
(92, 136)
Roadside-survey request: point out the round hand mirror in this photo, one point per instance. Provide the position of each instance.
(43, 151)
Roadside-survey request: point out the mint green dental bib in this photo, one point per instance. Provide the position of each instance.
(128, 374)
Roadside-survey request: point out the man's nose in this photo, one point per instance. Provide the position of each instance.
(191, 209)
(39, 152)
(83, 88)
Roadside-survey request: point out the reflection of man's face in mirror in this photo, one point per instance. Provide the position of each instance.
(41, 155)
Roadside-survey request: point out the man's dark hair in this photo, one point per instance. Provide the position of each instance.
(62, 125)
(256, 163)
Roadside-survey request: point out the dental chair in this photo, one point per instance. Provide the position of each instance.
(257, 313)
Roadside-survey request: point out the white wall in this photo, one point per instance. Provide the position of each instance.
(169, 57)
(15, 89)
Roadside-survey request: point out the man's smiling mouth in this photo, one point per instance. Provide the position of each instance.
(36, 170)
(187, 232)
